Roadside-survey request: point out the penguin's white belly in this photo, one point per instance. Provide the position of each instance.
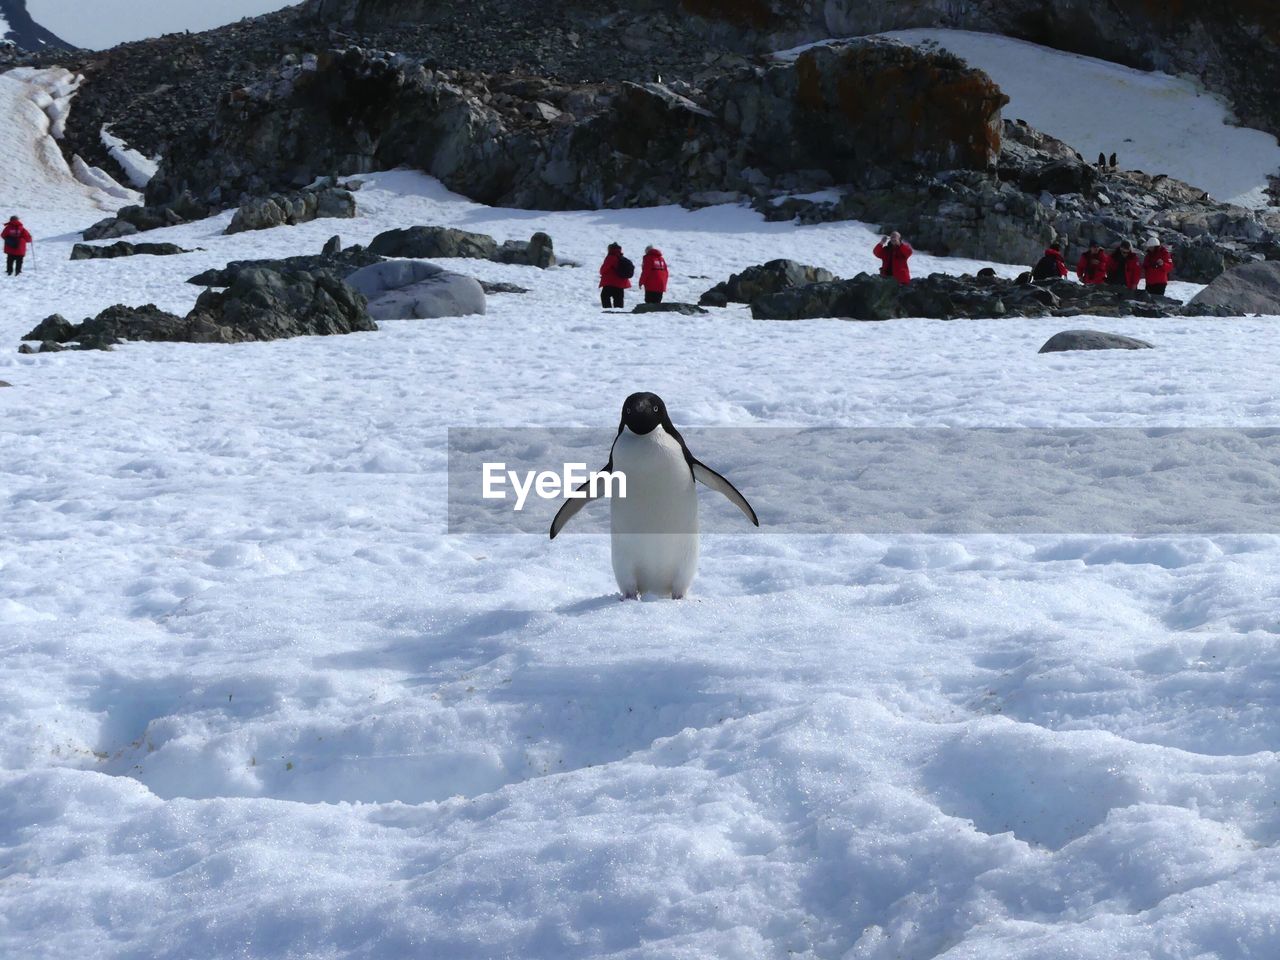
(655, 527)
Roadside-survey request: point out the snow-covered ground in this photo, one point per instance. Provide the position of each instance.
(254, 702)
(1152, 121)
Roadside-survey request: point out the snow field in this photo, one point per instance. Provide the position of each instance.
(255, 703)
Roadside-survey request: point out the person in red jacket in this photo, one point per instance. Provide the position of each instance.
(1051, 266)
(653, 275)
(1126, 268)
(1157, 265)
(894, 252)
(612, 281)
(1093, 264)
(16, 239)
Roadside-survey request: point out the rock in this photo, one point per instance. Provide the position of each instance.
(290, 209)
(183, 208)
(54, 327)
(5, 383)
(689, 309)
(939, 296)
(338, 265)
(755, 282)
(26, 348)
(416, 289)
(434, 242)
(109, 229)
(491, 288)
(331, 246)
(1251, 288)
(266, 304)
(537, 252)
(1091, 340)
(51, 346)
(85, 251)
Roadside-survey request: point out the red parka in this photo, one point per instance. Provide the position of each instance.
(1157, 265)
(609, 272)
(1092, 268)
(893, 261)
(1130, 267)
(16, 238)
(653, 272)
(1056, 256)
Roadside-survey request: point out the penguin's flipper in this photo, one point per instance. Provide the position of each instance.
(704, 474)
(569, 509)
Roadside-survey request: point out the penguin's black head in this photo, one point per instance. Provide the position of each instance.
(642, 412)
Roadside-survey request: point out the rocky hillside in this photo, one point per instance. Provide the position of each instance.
(23, 32)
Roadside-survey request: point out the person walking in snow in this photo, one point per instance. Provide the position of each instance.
(16, 239)
(1125, 269)
(1157, 265)
(1093, 265)
(653, 275)
(1051, 266)
(615, 277)
(894, 252)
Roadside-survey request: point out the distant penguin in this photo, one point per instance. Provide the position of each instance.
(1102, 161)
(1111, 161)
(654, 527)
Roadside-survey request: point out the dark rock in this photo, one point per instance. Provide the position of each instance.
(5, 383)
(755, 282)
(1091, 340)
(331, 246)
(940, 296)
(338, 265)
(433, 242)
(265, 304)
(85, 251)
(491, 288)
(1251, 288)
(54, 327)
(182, 208)
(303, 206)
(26, 348)
(689, 309)
(538, 251)
(417, 290)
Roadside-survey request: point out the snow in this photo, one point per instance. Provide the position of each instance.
(256, 703)
(1152, 121)
(138, 168)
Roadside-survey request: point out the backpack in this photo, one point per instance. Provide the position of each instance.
(1046, 268)
(625, 268)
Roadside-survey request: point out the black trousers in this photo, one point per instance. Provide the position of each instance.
(653, 296)
(611, 297)
(12, 264)
(1156, 288)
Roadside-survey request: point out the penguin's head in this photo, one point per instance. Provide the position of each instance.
(642, 412)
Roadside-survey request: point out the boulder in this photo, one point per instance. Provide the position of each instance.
(490, 288)
(758, 281)
(688, 309)
(86, 251)
(1251, 288)
(266, 304)
(55, 327)
(1091, 340)
(416, 289)
(434, 242)
(538, 251)
(183, 208)
(338, 265)
(289, 209)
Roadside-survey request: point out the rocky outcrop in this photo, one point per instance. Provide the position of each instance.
(447, 242)
(1041, 191)
(863, 112)
(261, 304)
(279, 210)
(338, 265)
(1251, 288)
(687, 309)
(182, 208)
(755, 282)
(945, 297)
(86, 251)
(1091, 340)
(417, 290)
(24, 32)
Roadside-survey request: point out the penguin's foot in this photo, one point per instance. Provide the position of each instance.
(629, 596)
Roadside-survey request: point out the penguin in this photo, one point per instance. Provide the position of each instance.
(1111, 161)
(654, 528)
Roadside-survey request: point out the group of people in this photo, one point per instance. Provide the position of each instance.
(1122, 267)
(16, 238)
(616, 273)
